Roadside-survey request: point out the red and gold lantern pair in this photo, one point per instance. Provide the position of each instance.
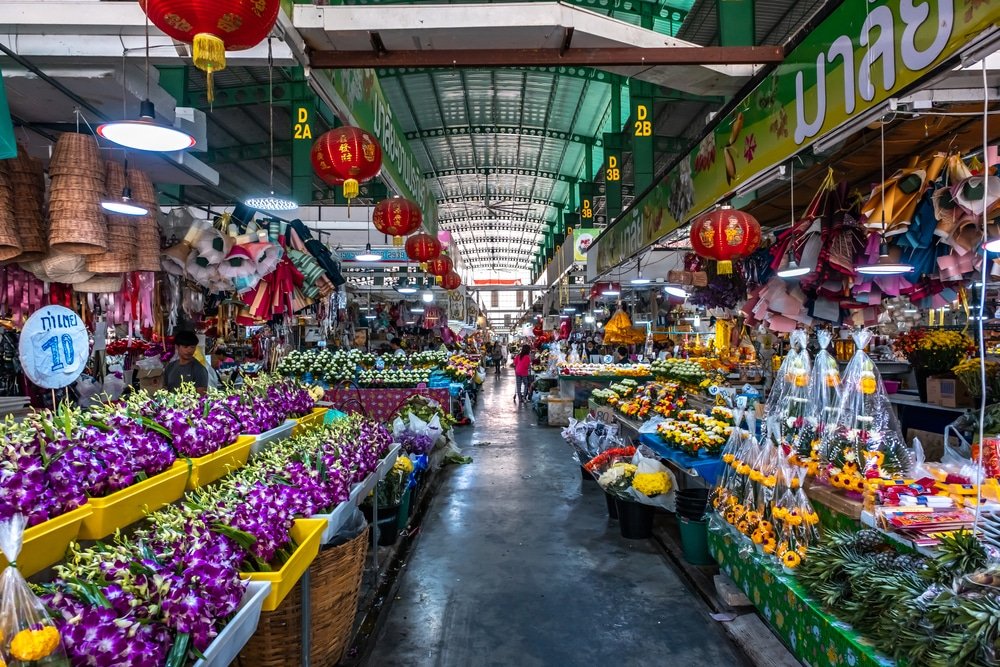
(397, 217)
(725, 235)
(422, 248)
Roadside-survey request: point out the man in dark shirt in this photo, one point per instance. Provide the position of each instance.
(185, 368)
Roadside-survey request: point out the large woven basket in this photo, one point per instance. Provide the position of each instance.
(122, 241)
(76, 223)
(147, 251)
(27, 182)
(10, 243)
(334, 577)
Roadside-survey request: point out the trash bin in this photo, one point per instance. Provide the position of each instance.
(694, 541)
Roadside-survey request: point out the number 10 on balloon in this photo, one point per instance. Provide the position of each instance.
(53, 345)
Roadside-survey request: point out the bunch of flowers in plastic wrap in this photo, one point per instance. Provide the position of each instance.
(865, 440)
(823, 404)
(797, 524)
(721, 491)
(27, 635)
(789, 398)
(589, 437)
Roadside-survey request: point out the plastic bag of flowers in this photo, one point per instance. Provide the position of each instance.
(865, 440)
(733, 445)
(652, 483)
(823, 404)
(603, 462)
(27, 634)
(794, 371)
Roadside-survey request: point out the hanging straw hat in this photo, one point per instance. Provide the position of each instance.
(61, 267)
(100, 284)
(76, 154)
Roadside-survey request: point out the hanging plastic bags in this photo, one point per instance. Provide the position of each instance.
(865, 440)
(823, 405)
(27, 634)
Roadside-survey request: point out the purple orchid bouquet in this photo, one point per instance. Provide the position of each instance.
(156, 598)
(197, 425)
(416, 443)
(265, 402)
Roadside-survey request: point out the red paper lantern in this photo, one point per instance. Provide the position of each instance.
(213, 27)
(724, 235)
(422, 247)
(397, 217)
(347, 155)
(439, 267)
(451, 281)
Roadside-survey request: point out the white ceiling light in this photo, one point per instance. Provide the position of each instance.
(146, 134)
(367, 255)
(404, 287)
(125, 205)
(678, 292)
(271, 203)
(427, 297)
(884, 266)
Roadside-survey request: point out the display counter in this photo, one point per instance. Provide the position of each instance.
(382, 404)
(698, 470)
(580, 386)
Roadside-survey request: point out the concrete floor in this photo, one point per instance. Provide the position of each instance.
(518, 564)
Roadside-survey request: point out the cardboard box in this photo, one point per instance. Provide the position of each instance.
(150, 379)
(948, 392)
(933, 443)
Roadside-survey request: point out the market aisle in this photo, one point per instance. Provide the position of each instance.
(517, 564)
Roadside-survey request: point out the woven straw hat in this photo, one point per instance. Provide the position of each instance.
(100, 284)
(76, 223)
(60, 267)
(76, 155)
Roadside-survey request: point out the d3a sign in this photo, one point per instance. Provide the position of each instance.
(54, 347)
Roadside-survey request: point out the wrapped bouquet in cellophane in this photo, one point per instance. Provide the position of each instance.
(28, 637)
(865, 441)
(823, 402)
(788, 412)
(796, 524)
(730, 450)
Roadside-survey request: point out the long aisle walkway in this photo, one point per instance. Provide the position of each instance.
(517, 564)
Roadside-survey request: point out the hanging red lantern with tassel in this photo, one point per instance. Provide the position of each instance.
(347, 156)
(213, 27)
(397, 217)
(422, 248)
(451, 281)
(439, 267)
(724, 235)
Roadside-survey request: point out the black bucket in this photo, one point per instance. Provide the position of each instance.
(586, 476)
(635, 520)
(388, 523)
(691, 503)
(612, 505)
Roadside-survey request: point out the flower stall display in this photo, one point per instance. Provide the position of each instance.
(822, 406)
(589, 437)
(933, 352)
(28, 635)
(865, 441)
(968, 371)
(394, 377)
(695, 433)
(653, 398)
(461, 368)
(578, 369)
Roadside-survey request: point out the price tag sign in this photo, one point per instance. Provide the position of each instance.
(54, 347)
(380, 364)
(608, 359)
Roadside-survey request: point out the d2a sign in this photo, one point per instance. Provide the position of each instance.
(54, 347)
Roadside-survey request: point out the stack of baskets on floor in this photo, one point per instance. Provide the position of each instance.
(334, 581)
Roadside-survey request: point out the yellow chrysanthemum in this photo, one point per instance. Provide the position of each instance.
(651, 483)
(31, 645)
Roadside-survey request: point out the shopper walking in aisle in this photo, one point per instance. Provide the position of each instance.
(498, 357)
(522, 371)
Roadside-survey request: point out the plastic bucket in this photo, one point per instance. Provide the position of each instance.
(404, 510)
(612, 505)
(694, 541)
(635, 520)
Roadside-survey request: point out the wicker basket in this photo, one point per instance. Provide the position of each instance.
(122, 237)
(335, 577)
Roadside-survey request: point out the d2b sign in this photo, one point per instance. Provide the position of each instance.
(54, 347)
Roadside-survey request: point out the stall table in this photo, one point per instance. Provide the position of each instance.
(579, 386)
(810, 633)
(382, 404)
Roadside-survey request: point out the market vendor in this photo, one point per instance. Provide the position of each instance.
(185, 368)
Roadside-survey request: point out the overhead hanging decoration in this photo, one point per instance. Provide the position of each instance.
(451, 281)
(397, 217)
(724, 235)
(213, 27)
(347, 156)
(422, 248)
(439, 267)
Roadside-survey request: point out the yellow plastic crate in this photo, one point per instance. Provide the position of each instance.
(307, 534)
(310, 421)
(46, 543)
(127, 506)
(206, 469)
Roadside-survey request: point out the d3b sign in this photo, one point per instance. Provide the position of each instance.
(54, 347)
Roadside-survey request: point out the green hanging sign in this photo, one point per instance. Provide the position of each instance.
(862, 54)
(8, 144)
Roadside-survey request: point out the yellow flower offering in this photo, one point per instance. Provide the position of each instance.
(30, 645)
(404, 465)
(651, 484)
